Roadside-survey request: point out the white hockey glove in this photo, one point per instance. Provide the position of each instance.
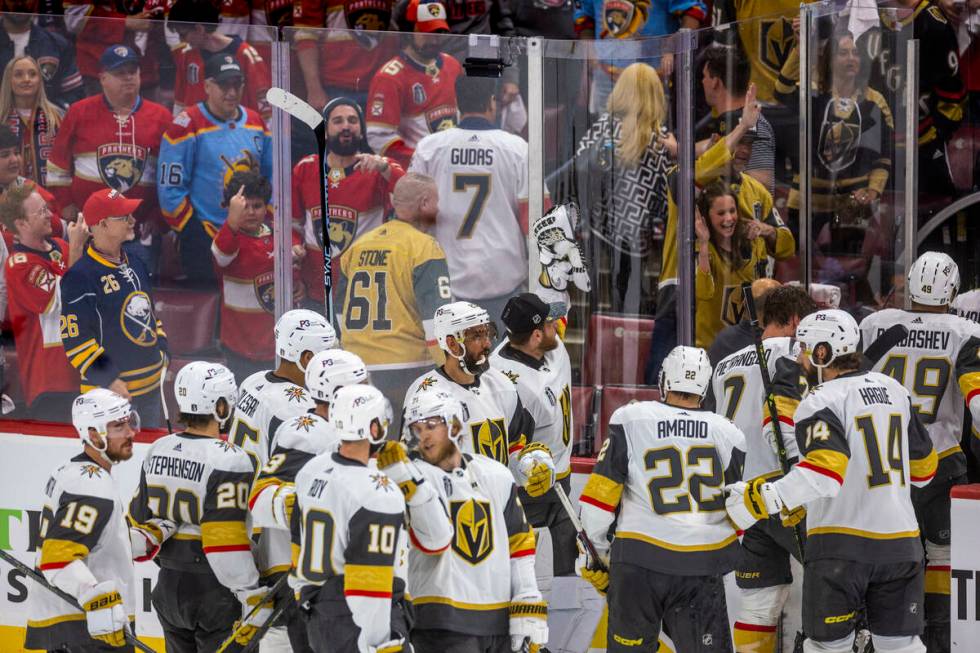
(747, 503)
(587, 568)
(536, 469)
(252, 618)
(528, 622)
(558, 252)
(146, 538)
(391, 646)
(105, 614)
(282, 504)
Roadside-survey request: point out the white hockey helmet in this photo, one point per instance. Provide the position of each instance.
(302, 330)
(425, 405)
(98, 408)
(455, 318)
(333, 369)
(686, 369)
(832, 330)
(199, 386)
(360, 412)
(934, 279)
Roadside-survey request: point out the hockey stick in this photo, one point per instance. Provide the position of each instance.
(263, 629)
(241, 625)
(580, 534)
(305, 113)
(65, 596)
(760, 355)
(163, 398)
(889, 338)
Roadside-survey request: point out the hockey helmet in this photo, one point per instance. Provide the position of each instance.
(333, 369)
(455, 318)
(686, 369)
(426, 405)
(934, 279)
(98, 408)
(302, 330)
(360, 412)
(199, 386)
(827, 335)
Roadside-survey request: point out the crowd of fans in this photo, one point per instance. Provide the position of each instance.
(163, 107)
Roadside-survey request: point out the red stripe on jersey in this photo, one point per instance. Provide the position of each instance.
(806, 464)
(379, 595)
(958, 94)
(973, 393)
(919, 479)
(418, 545)
(598, 504)
(938, 568)
(782, 418)
(55, 565)
(515, 447)
(227, 548)
(754, 627)
(522, 553)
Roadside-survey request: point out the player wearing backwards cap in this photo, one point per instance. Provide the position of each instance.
(87, 548)
(495, 422)
(414, 93)
(200, 482)
(360, 184)
(938, 364)
(471, 573)
(346, 527)
(863, 446)
(662, 471)
(110, 332)
(535, 359)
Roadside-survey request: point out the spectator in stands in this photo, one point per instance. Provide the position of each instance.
(630, 19)
(11, 163)
(725, 81)
(25, 108)
(361, 183)
(201, 41)
(621, 187)
(729, 253)
(204, 146)
(20, 37)
(116, 340)
(392, 281)
(338, 63)
(34, 269)
(550, 19)
(110, 140)
(243, 251)
(738, 336)
(414, 93)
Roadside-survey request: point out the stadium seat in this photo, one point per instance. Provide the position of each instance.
(961, 150)
(616, 349)
(189, 317)
(612, 397)
(583, 417)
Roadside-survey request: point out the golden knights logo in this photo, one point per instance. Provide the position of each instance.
(839, 135)
(137, 319)
(343, 226)
(473, 524)
(121, 165)
(776, 39)
(295, 393)
(513, 376)
(305, 422)
(490, 439)
(427, 383)
(732, 305)
(92, 471)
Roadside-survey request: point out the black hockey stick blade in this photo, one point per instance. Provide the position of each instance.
(887, 341)
(65, 596)
(580, 534)
(231, 638)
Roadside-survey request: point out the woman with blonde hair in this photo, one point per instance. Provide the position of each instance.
(25, 108)
(621, 189)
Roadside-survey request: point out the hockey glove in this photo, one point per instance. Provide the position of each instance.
(528, 622)
(104, 613)
(747, 503)
(146, 538)
(253, 617)
(391, 646)
(283, 502)
(595, 574)
(393, 461)
(537, 467)
(791, 518)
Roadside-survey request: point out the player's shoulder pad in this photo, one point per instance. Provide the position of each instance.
(308, 433)
(227, 456)
(887, 316)
(371, 488)
(637, 410)
(498, 382)
(725, 428)
(429, 382)
(86, 478)
(490, 471)
(898, 393)
(284, 399)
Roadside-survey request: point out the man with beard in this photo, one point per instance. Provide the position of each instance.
(414, 94)
(391, 278)
(472, 579)
(495, 422)
(535, 359)
(360, 185)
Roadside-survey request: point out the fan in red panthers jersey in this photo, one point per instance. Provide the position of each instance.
(360, 185)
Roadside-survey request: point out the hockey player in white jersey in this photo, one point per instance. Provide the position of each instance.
(483, 197)
(862, 448)
(208, 580)
(660, 478)
(763, 572)
(345, 530)
(938, 364)
(473, 583)
(535, 359)
(87, 548)
(495, 422)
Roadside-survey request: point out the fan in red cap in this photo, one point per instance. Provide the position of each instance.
(427, 17)
(108, 203)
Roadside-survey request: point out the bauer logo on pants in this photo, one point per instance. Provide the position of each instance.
(473, 523)
(489, 439)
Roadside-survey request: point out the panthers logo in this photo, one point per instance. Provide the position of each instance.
(121, 165)
(265, 291)
(490, 439)
(618, 16)
(473, 522)
(441, 118)
(343, 227)
(137, 321)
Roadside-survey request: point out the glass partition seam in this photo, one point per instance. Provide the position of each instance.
(535, 159)
(911, 156)
(282, 191)
(685, 201)
(806, 135)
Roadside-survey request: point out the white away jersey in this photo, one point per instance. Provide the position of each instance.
(665, 468)
(82, 519)
(264, 402)
(545, 389)
(467, 588)
(736, 386)
(495, 422)
(863, 448)
(938, 364)
(482, 179)
(968, 305)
